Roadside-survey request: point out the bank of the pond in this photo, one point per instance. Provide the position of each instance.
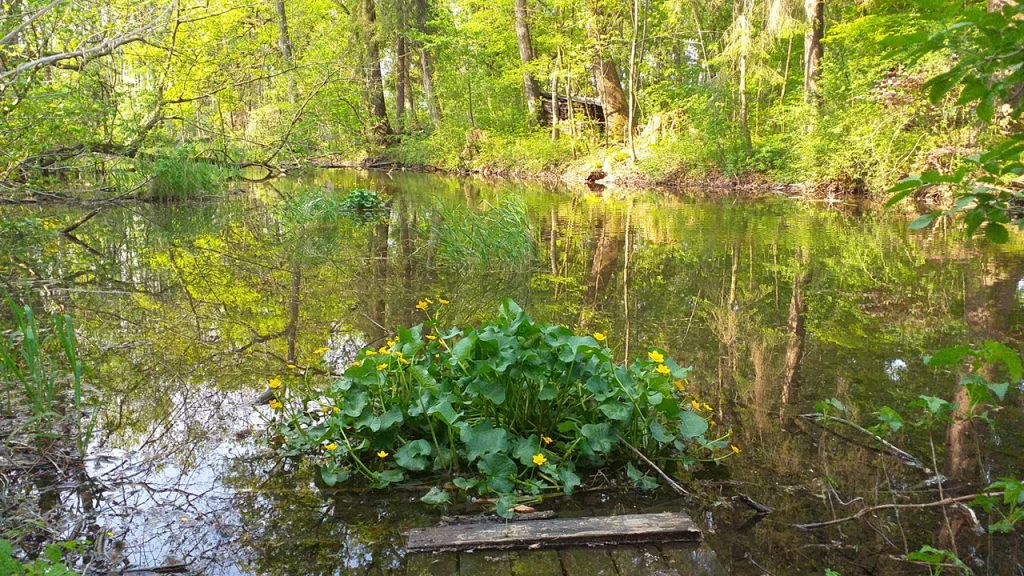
(681, 182)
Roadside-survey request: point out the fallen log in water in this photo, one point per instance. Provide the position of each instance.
(559, 532)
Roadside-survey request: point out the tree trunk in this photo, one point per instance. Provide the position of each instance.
(989, 300)
(606, 79)
(530, 86)
(744, 30)
(815, 10)
(372, 74)
(631, 119)
(401, 79)
(613, 99)
(796, 332)
(284, 44)
(427, 65)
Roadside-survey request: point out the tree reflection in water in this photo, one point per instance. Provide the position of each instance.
(186, 312)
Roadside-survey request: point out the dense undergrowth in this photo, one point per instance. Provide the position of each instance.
(514, 410)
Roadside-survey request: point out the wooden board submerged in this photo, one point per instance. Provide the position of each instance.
(555, 533)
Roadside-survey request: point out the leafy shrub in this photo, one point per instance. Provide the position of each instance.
(50, 564)
(514, 407)
(362, 200)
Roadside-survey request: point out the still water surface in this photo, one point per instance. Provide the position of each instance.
(186, 311)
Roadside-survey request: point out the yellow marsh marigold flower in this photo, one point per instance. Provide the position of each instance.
(110, 533)
(656, 356)
(292, 366)
(274, 383)
(430, 337)
(391, 342)
(662, 369)
(600, 337)
(696, 405)
(546, 440)
(383, 350)
(357, 363)
(678, 384)
(382, 367)
(399, 354)
(331, 447)
(707, 407)
(371, 352)
(321, 350)
(403, 361)
(443, 301)
(382, 454)
(422, 305)
(539, 459)
(335, 409)
(735, 448)
(275, 404)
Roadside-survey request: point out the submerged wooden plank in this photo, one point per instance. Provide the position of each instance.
(640, 561)
(484, 564)
(587, 562)
(693, 560)
(446, 564)
(536, 563)
(559, 532)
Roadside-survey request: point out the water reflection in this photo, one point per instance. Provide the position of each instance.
(185, 312)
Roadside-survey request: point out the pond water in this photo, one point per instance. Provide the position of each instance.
(184, 312)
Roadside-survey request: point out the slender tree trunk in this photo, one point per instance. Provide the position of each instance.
(555, 106)
(785, 71)
(427, 65)
(815, 10)
(284, 44)
(401, 79)
(703, 47)
(530, 86)
(744, 29)
(469, 98)
(371, 70)
(631, 116)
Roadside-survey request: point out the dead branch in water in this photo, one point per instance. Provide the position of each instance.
(865, 511)
(888, 448)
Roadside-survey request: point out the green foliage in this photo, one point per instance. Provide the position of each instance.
(1012, 491)
(988, 75)
(181, 176)
(325, 207)
(49, 564)
(938, 559)
(27, 362)
(514, 407)
(495, 236)
(362, 200)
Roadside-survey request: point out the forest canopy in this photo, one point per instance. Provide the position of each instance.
(823, 92)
